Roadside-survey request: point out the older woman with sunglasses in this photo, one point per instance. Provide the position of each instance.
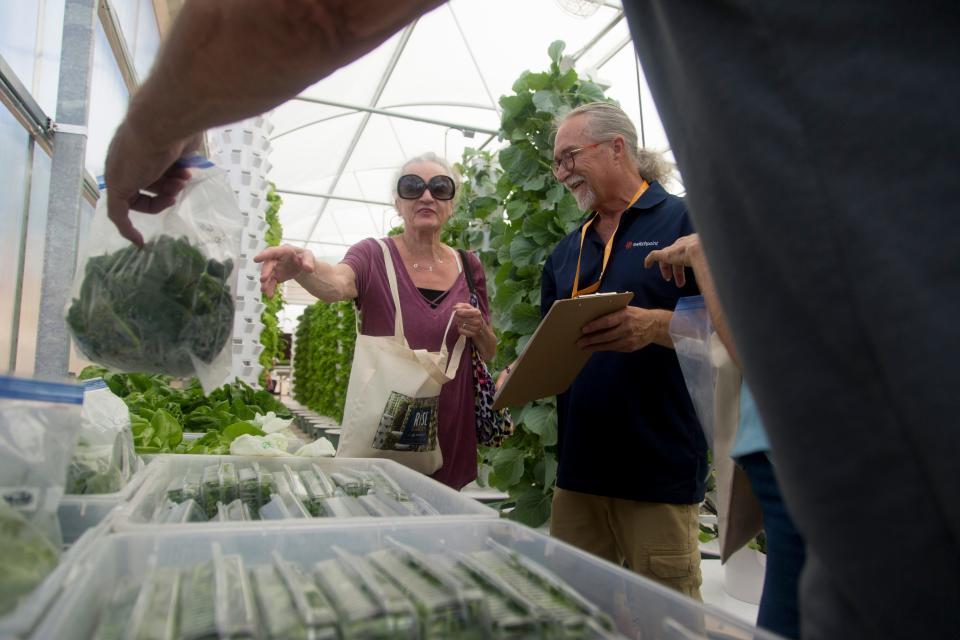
(431, 282)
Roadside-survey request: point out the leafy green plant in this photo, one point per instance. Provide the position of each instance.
(271, 337)
(160, 413)
(513, 212)
(154, 308)
(324, 343)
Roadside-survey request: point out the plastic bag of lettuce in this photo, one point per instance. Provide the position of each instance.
(167, 307)
(104, 459)
(39, 422)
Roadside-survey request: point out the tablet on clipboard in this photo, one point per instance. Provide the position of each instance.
(551, 359)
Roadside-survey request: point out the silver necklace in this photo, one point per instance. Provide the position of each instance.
(425, 267)
(416, 266)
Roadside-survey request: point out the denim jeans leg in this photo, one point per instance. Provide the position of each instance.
(779, 610)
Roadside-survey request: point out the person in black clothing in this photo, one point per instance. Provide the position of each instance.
(818, 145)
(632, 456)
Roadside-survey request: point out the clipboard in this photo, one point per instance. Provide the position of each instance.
(551, 360)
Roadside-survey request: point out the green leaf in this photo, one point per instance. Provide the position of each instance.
(517, 135)
(557, 227)
(522, 342)
(547, 101)
(533, 507)
(534, 297)
(145, 436)
(523, 251)
(537, 81)
(93, 371)
(212, 438)
(541, 419)
(554, 194)
(537, 228)
(509, 294)
(519, 85)
(484, 206)
(520, 162)
(524, 318)
(138, 424)
(513, 106)
(167, 431)
(591, 92)
(503, 273)
(516, 209)
(239, 429)
(555, 50)
(567, 80)
(508, 467)
(532, 271)
(569, 211)
(549, 471)
(535, 183)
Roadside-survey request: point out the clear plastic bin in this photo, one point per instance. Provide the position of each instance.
(139, 512)
(77, 513)
(20, 622)
(638, 607)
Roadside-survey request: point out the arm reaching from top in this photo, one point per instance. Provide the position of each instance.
(228, 60)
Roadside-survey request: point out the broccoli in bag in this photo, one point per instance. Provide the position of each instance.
(166, 307)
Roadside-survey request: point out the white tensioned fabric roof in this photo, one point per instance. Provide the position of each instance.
(451, 66)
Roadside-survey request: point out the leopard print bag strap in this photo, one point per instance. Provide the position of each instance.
(493, 425)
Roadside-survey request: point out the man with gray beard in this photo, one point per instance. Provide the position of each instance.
(632, 455)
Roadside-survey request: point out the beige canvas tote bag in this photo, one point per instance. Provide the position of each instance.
(739, 518)
(393, 394)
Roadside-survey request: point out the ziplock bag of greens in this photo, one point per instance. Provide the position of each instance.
(104, 459)
(39, 422)
(167, 307)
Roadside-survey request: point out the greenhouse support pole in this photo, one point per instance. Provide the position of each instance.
(66, 186)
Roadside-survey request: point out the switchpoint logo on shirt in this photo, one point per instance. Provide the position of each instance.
(642, 243)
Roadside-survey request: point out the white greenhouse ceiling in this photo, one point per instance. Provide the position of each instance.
(449, 68)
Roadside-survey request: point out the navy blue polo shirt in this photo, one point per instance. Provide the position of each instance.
(627, 427)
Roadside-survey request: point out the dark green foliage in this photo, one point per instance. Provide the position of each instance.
(514, 200)
(271, 338)
(324, 352)
(153, 309)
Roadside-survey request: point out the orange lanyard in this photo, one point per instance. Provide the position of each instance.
(606, 251)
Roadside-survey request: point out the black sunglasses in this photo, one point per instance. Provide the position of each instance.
(411, 187)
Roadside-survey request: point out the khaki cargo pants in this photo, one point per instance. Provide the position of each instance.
(656, 540)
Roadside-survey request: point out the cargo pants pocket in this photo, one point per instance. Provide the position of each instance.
(680, 572)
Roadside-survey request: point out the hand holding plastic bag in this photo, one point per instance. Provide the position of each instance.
(166, 307)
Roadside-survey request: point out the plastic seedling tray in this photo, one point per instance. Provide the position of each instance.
(424, 496)
(634, 606)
